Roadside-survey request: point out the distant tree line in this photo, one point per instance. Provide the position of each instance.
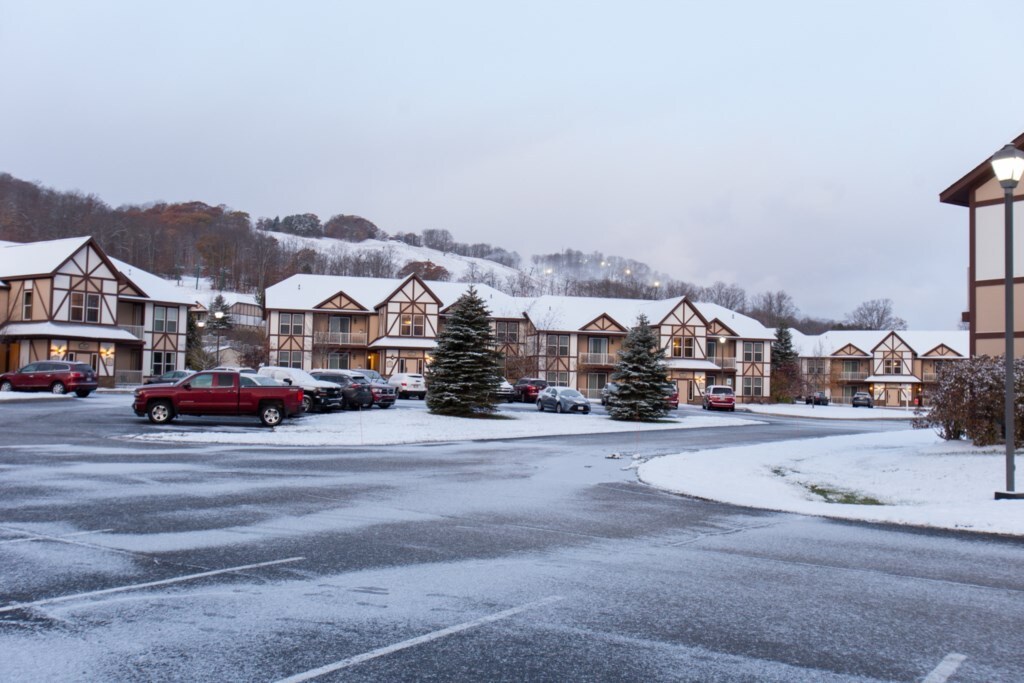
(194, 239)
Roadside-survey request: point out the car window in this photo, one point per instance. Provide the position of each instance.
(31, 367)
(247, 381)
(81, 367)
(571, 393)
(202, 381)
(48, 367)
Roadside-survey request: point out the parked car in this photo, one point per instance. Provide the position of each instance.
(316, 394)
(409, 385)
(862, 398)
(355, 389)
(672, 395)
(527, 389)
(170, 377)
(719, 397)
(55, 376)
(505, 391)
(219, 393)
(563, 400)
(235, 368)
(608, 392)
(818, 398)
(384, 395)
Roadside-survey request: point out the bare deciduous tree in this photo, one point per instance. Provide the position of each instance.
(876, 314)
(725, 295)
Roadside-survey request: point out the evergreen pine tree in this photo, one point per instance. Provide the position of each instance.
(785, 367)
(465, 370)
(225, 322)
(641, 376)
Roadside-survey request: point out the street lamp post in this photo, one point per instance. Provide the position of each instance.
(1008, 167)
(219, 315)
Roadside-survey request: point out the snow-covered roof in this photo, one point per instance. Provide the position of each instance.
(571, 313)
(154, 287)
(37, 258)
(691, 364)
(893, 379)
(921, 341)
(743, 325)
(403, 343)
(68, 331)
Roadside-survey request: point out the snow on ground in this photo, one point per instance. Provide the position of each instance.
(398, 426)
(25, 396)
(830, 412)
(920, 479)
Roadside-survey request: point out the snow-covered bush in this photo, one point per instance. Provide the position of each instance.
(969, 401)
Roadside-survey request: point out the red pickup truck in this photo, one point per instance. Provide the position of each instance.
(219, 393)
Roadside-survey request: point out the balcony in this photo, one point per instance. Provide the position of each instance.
(858, 376)
(135, 330)
(346, 338)
(592, 394)
(597, 359)
(726, 363)
(929, 377)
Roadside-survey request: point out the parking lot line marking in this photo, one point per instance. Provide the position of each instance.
(36, 537)
(412, 642)
(140, 586)
(946, 668)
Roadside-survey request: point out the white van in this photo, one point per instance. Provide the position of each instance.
(316, 394)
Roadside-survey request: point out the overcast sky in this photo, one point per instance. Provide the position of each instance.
(776, 145)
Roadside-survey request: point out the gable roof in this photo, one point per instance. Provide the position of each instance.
(37, 258)
(959, 193)
(920, 341)
(152, 286)
(743, 325)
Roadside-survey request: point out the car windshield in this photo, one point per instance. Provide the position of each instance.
(721, 390)
(571, 393)
(372, 375)
(81, 367)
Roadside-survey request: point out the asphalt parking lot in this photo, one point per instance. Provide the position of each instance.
(527, 559)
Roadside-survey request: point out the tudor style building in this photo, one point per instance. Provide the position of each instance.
(981, 193)
(67, 300)
(388, 325)
(898, 368)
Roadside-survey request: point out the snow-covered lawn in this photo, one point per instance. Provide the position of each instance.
(918, 478)
(397, 426)
(831, 412)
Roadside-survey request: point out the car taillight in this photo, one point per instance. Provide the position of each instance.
(75, 375)
(404, 384)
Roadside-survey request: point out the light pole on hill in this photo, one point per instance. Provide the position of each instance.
(1008, 167)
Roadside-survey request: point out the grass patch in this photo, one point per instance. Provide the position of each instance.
(844, 496)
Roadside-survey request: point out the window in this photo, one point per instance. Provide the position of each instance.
(506, 333)
(752, 386)
(290, 324)
(85, 307)
(201, 381)
(815, 366)
(26, 305)
(412, 325)
(339, 324)
(753, 352)
(712, 349)
(164, 361)
(92, 308)
(689, 344)
(676, 348)
(892, 366)
(165, 319)
(558, 345)
(289, 359)
(559, 379)
(597, 345)
(337, 361)
(410, 365)
(595, 381)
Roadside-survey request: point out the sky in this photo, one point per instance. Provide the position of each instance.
(786, 145)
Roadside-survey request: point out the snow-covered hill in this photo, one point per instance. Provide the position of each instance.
(458, 266)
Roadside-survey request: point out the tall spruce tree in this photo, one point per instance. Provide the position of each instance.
(641, 376)
(785, 367)
(465, 371)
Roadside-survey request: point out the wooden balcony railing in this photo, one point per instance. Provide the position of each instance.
(853, 376)
(597, 359)
(135, 330)
(929, 377)
(127, 377)
(346, 338)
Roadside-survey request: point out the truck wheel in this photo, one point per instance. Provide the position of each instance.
(160, 412)
(271, 414)
(384, 406)
(307, 404)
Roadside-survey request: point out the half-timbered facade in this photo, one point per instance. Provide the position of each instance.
(898, 368)
(981, 194)
(392, 325)
(67, 300)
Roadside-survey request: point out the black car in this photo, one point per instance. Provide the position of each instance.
(527, 389)
(355, 391)
(862, 398)
(818, 398)
(384, 395)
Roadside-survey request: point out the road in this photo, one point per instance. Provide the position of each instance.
(534, 559)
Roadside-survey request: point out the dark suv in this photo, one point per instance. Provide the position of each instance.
(527, 389)
(58, 377)
(355, 391)
(818, 398)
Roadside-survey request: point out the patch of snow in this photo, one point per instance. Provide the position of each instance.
(389, 427)
(40, 396)
(829, 412)
(920, 479)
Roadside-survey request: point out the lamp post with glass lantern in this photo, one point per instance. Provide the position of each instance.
(219, 315)
(1008, 167)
